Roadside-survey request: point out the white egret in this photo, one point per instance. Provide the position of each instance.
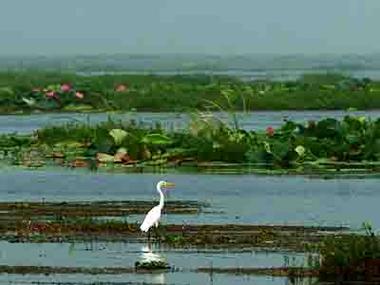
(154, 215)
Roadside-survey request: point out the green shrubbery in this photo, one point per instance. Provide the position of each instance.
(39, 91)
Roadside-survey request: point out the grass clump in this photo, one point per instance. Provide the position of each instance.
(351, 257)
(152, 265)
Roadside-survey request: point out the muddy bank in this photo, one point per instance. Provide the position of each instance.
(62, 270)
(295, 272)
(275, 272)
(84, 221)
(296, 238)
(94, 209)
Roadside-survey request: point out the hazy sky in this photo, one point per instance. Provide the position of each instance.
(189, 26)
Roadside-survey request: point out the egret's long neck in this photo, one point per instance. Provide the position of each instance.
(161, 196)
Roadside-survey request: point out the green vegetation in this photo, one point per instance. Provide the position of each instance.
(353, 142)
(47, 92)
(350, 257)
(152, 265)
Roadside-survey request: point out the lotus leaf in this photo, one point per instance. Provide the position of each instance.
(362, 119)
(68, 144)
(122, 150)
(29, 101)
(280, 149)
(327, 128)
(353, 138)
(156, 139)
(104, 157)
(118, 135)
(54, 87)
(300, 150)
(77, 107)
(6, 91)
(267, 147)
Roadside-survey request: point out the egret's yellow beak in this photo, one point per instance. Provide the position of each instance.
(169, 185)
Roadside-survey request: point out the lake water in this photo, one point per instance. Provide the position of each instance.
(253, 199)
(250, 121)
(113, 254)
(250, 75)
(174, 278)
(117, 255)
(241, 199)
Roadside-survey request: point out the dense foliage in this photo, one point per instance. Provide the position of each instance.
(208, 139)
(40, 91)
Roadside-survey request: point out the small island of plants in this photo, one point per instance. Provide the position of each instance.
(350, 143)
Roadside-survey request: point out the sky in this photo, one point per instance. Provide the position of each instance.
(56, 27)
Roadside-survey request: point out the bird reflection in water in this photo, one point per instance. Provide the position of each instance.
(147, 255)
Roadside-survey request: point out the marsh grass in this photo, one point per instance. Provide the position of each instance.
(350, 257)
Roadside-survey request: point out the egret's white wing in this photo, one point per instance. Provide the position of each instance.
(151, 218)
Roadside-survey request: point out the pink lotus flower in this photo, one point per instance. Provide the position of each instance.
(50, 94)
(65, 87)
(121, 88)
(270, 131)
(79, 95)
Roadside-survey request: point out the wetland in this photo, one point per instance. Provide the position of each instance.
(262, 197)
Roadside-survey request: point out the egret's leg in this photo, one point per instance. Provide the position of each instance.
(160, 231)
(149, 243)
(156, 233)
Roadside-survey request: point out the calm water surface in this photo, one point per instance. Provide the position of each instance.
(234, 198)
(250, 121)
(177, 278)
(116, 254)
(125, 254)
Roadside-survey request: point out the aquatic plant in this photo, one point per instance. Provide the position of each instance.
(350, 257)
(152, 265)
(350, 142)
(79, 95)
(66, 87)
